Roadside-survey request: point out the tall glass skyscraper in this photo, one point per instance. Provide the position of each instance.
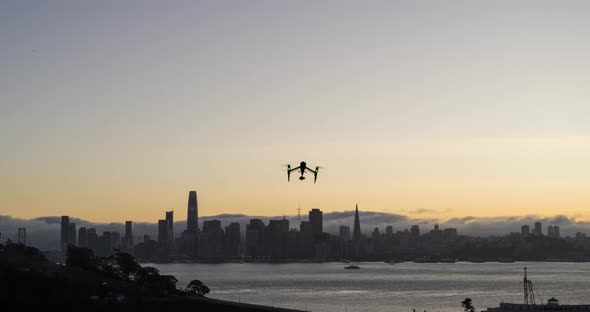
(192, 219)
(170, 221)
(65, 220)
(129, 233)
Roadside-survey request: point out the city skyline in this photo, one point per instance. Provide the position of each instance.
(281, 240)
(431, 111)
(44, 232)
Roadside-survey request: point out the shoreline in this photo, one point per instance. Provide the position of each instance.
(359, 261)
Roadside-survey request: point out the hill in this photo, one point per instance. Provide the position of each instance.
(90, 283)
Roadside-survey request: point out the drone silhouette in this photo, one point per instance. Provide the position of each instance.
(302, 167)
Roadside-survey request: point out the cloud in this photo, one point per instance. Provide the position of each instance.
(428, 211)
(463, 220)
(44, 232)
(422, 211)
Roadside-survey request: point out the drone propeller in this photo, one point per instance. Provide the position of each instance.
(287, 167)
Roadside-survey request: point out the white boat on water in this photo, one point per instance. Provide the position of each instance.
(530, 304)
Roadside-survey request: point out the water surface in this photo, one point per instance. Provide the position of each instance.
(384, 287)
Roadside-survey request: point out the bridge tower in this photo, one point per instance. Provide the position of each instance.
(22, 236)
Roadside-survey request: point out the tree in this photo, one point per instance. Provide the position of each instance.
(167, 283)
(147, 275)
(197, 287)
(81, 257)
(150, 280)
(126, 264)
(467, 305)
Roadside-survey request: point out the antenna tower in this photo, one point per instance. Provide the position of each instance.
(529, 293)
(299, 212)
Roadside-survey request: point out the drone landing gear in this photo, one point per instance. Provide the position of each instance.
(301, 178)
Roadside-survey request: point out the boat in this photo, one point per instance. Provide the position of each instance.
(447, 260)
(506, 260)
(394, 261)
(530, 304)
(476, 260)
(352, 267)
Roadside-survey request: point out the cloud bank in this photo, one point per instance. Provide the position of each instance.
(44, 232)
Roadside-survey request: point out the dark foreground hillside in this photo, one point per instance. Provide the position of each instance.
(88, 283)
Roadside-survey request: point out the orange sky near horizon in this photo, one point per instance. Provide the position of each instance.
(439, 179)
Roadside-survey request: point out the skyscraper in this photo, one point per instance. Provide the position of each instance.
(65, 220)
(356, 231)
(115, 239)
(538, 230)
(415, 231)
(211, 239)
(192, 219)
(345, 233)
(72, 233)
(284, 225)
(233, 236)
(305, 239)
(276, 237)
(525, 230)
(255, 237)
(170, 221)
(92, 239)
(82, 238)
(305, 226)
(376, 235)
(129, 233)
(553, 231)
(162, 231)
(556, 233)
(316, 221)
(105, 245)
(389, 231)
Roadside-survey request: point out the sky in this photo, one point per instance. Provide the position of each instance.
(115, 110)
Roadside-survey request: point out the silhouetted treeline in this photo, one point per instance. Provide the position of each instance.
(88, 282)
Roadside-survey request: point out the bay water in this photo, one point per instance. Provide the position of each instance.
(400, 287)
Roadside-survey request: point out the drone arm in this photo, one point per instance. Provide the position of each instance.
(289, 172)
(315, 173)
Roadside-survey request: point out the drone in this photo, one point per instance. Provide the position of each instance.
(302, 167)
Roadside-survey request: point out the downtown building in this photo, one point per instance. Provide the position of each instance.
(68, 233)
(188, 243)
